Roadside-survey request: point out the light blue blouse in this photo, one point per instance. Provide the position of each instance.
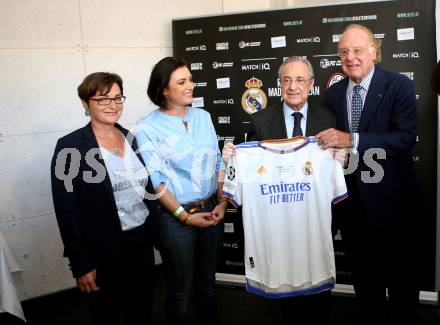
(186, 161)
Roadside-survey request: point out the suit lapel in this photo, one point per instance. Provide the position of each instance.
(91, 143)
(312, 121)
(278, 125)
(341, 101)
(374, 96)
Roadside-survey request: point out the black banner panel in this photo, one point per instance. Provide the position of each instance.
(234, 60)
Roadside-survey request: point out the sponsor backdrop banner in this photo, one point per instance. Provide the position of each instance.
(234, 60)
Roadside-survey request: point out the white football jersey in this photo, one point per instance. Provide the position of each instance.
(286, 188)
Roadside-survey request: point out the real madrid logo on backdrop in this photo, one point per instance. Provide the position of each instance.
(253, 99)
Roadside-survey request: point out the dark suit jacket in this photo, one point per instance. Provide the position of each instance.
(388, 121)
(269, 123)
(87, 216)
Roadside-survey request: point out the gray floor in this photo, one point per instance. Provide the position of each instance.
(236, 307)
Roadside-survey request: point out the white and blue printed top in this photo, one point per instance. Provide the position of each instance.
(129, 178)
(184, 159)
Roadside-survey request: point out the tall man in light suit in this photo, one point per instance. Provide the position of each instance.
(377, 109)
(292, 117)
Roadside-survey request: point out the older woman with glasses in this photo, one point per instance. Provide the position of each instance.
(180, 148)
(104, 204)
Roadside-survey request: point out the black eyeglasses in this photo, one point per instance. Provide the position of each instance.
(104, 101)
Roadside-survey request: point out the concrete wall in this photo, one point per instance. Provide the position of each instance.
(46, 49)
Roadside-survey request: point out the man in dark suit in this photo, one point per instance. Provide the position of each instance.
(278, 121)
(376, 112)
(290, 118)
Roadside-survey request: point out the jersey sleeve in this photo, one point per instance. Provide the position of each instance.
(339, 186)
(232, 185)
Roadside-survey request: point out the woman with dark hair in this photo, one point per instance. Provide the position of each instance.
(104, 204)
(180, 148)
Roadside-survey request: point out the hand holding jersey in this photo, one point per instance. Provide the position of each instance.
(228, 151)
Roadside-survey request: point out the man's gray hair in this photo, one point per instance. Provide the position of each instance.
(377, 43)
(296, 58)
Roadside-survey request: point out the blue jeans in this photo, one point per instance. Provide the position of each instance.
(190, 257)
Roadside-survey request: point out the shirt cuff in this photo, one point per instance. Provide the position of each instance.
(355, 143)
(157, 178)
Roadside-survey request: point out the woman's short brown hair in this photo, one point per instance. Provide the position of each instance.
(102, 81)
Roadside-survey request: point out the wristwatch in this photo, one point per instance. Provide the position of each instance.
(351, 138)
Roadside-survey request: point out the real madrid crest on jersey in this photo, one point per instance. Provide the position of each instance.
(230, 173)
(308, 168)
(254, 99)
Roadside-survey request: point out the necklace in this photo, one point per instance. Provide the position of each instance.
(110, 139)
(117, 151)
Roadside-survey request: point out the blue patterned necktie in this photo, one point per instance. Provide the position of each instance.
(297, 124)
(356, 109)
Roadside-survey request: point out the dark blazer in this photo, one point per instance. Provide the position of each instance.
(269, 123)
(388, 121)
(87, 216)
